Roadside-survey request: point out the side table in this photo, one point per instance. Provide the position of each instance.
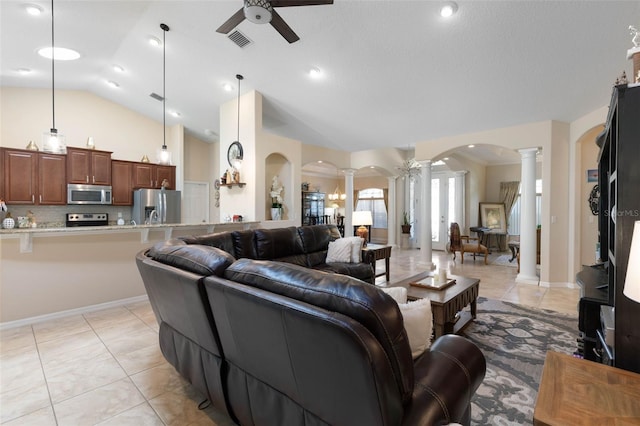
(576, 391)
(374, 252)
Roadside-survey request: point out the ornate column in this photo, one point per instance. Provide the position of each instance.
(392, 224)
(459, 178)
(425, 214)
(528, 217)
(348, 203)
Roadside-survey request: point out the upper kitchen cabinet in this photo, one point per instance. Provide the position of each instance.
(147, 175)
(88, 166)
(122, 183)
(35, 178)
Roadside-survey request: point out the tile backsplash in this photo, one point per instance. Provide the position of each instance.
(55, 216)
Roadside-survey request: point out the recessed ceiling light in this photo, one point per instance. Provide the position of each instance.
(471, 146)
(372, 167)
(319, 161)
(113, 84)
(227, 86)
(175, 113)
(315, 72)
(33, 9)
(61, 53)
(23, 71)
(445, 158)
(448, 9)
(154, 41)
(117, 68)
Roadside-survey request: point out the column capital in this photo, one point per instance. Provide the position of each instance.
(392, 179)
(424, 163)
(461, 172)
(528, 152)
(348, 172)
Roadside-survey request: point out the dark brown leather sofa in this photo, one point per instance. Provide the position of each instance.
(275, 343)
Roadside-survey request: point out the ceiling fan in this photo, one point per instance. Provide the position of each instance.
(261, 12)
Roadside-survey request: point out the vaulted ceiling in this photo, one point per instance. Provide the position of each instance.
(393, 73)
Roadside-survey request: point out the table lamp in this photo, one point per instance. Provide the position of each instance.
(632, 281)
(362, 219)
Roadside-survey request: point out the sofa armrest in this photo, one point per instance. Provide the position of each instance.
(446, 377)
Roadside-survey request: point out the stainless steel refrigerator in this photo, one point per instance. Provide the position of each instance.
(155, 206)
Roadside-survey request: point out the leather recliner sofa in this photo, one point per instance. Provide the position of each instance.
(275, 343)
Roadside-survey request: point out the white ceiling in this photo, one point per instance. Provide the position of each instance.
(394, 72)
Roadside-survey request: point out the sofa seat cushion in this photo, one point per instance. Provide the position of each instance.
(338, 293)
(199, 259)
(361, 271)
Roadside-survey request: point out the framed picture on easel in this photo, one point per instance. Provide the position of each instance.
(492, 216)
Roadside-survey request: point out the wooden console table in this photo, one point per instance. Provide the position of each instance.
(576, 391)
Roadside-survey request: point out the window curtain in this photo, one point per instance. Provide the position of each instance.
(385, 197)
(508, 194)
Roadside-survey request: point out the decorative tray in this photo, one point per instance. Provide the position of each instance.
(429, 284)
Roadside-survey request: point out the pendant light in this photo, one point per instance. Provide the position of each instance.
(164, 156)
(236, 160)
(52, 141)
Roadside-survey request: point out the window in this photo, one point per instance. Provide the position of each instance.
(372, 199)
(514, 218)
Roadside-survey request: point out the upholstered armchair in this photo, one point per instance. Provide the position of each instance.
(464, 244)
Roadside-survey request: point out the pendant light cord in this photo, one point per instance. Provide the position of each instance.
(53, 73)
(239, 77)
(165, 28)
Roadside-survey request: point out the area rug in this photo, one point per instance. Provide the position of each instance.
(514, 340)
(503, 260)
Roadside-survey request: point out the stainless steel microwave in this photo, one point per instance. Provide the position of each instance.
(88, 194)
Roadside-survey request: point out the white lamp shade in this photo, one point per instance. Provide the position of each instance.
(362, 218)
(632, 281)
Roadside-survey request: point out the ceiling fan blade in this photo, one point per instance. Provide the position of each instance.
(285, 30)
(287, 3)
(232, 22)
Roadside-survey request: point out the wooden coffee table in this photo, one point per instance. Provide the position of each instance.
(576, 391)
(448, 304)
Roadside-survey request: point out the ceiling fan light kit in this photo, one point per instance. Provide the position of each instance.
(262, 12)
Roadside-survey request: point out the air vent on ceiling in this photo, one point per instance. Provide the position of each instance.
(240, 39)
(156, 96)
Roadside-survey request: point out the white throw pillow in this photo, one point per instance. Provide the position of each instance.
(356, 248)
(418, 322)
(399, 294)
(339, 251)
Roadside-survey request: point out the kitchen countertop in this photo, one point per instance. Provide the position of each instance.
(26, 235)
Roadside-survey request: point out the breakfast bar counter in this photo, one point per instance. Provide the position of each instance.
(48, 273)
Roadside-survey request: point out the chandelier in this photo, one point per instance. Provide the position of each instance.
(337, 195)
(409, 168)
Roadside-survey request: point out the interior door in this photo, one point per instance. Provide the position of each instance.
(443, 198)
(195, 202)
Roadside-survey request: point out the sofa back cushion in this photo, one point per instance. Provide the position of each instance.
(199, 259)
(244, 244)
(315, 242)
(372, 308)
(221, 240)
(281, 244)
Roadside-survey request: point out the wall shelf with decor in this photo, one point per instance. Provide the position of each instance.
(231, 185)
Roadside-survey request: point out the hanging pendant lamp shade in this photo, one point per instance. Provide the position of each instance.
(53, 141)
(164, 155)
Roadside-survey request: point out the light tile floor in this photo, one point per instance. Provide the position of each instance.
(105, 367)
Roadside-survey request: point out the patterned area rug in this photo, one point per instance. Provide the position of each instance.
(514, 340)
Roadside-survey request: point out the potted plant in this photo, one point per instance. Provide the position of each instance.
(406, 225)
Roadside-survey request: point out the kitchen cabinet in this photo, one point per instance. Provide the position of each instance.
(148, 175)
(122, 183)
(35, 178)
(88, 166)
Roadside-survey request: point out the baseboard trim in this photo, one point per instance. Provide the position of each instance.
(70, 312)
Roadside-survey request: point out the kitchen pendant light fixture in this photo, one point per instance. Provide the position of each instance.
(235, 152)
(164, 155)
(52, 141)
